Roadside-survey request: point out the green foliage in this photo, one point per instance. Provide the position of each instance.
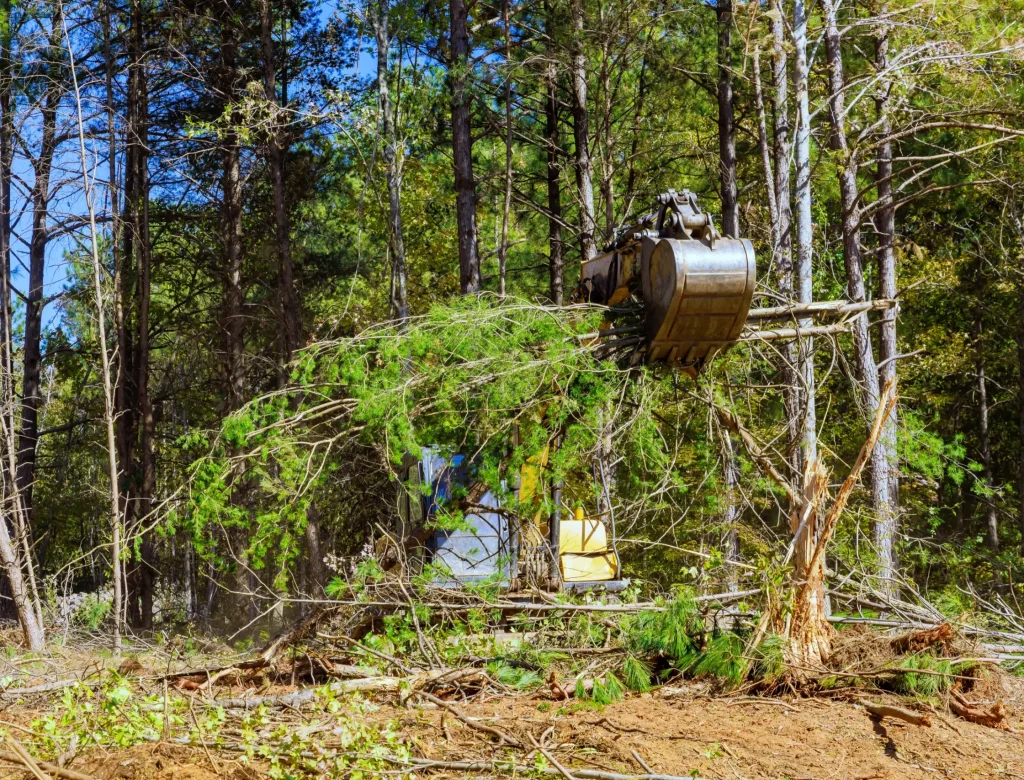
(458, 379)
(637, 674)
(514, 676)
(671, 632)
(723, 659)
(924, 675)
(93, 612)
(768, 661)
(113, 715)
(605, 691)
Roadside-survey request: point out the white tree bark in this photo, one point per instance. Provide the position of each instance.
(804, 235)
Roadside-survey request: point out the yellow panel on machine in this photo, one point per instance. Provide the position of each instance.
(583, 551)
(588, 568)
(583, 536)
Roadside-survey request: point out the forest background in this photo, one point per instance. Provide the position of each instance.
(207, 203)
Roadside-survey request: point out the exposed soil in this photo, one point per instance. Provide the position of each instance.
(681, 731)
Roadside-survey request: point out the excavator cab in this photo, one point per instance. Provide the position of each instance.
(490, 545)
(695, 285)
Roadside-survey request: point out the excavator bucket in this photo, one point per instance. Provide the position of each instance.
(696, 298)
(695, 285)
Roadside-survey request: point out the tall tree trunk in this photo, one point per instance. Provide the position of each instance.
(59, 26)
(581, 132)
(556, 249)
(765, 149)
(726, 123)
(731, 518)
(125, 298)
(146, 563)
(32, 354)
(6, 174)
(634, 142)
(984, 442)
(607, 150)
(886, 459)
(866, 368)
(315, 576)
(275, 160)
(462, 149)
(730, 227)
(231, 189)
(232, 322)
(783, 255)
(17, 569)
(804, 235)
(506, 207)
(393, 164)
(123, 412)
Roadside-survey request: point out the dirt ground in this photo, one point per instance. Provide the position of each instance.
(683, 734)
(674, 731)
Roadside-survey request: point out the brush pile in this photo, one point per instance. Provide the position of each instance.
(449, 646)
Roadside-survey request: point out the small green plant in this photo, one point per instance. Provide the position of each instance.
(768, 661)
(93, 612)
(723, 658)
(602, 691)
(714, 751)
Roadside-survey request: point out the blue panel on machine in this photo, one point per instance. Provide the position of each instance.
(482, 549)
